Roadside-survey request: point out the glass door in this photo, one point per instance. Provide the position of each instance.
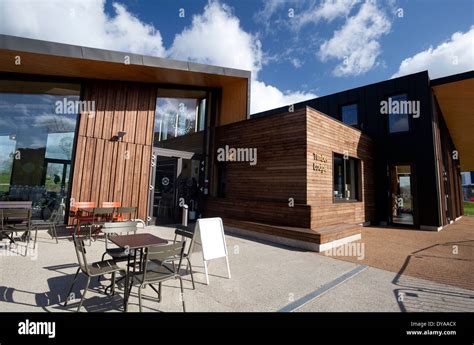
(401, 200)
(176, 181)
(164, 192)
(56, 184)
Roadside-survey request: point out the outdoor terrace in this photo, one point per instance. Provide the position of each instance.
(265, 277)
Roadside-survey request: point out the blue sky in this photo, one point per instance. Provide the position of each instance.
(320, 48)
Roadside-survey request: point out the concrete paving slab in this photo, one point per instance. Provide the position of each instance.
(265, 277)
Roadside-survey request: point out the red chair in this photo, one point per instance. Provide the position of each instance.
(114, 204)
(79, 216)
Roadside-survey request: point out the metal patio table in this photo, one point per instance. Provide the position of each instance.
(133, 244)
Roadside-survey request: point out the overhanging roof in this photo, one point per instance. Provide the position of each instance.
(455, 95)
(57, 59)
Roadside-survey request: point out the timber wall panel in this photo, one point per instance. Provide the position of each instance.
(261, 193)
(234, 102)
(280, 172)
(327, 136)
(285, 145)
(107, 170)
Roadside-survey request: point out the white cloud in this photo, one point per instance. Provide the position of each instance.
(327, 10)
(331, 9)
(82, 23)
(265, 97)
(453, 56)
(214, 37)
(356, 44)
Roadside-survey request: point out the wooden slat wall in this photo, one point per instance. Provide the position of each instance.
(325, 136)
(106, 170)
(280, 172)
(285, 144)
(261, 193)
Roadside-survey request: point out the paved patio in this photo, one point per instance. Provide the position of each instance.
(445, 257)
(265, 278)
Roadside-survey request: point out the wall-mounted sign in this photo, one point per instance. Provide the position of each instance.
(320, 163)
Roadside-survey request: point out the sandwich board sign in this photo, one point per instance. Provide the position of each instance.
(212, 240)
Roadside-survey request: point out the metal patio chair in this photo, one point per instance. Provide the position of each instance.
(112, 228)
(157, 274)
(78, 216)
(96, 269)
(50, 224)
(188, 233)
(100, 215)
(18, 220)
(122, 211)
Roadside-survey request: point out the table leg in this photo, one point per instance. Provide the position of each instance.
(127, 275)
(129, 285)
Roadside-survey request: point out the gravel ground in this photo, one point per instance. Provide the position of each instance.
(445, 257)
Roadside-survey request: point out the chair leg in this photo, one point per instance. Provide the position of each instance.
(140, 298)
(182, 293)
(191, 270)
(72, 285)
(27, 242)
(113, 284)
(159, 292)
(84, 294)
(36, 236)
(55, 233)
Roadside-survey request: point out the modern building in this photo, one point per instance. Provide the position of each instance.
(83, 124)
(418, 150)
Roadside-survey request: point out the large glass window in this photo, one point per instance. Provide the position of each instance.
(37, 127)
(179, 139)
(179, 113)
(398, 122)
(350, 115)
(346, 172)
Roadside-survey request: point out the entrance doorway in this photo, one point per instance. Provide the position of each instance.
(401, 195)
(55, 180)
(176, 177)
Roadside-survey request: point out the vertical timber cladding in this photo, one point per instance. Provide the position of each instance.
(115, 170)
(326, 136)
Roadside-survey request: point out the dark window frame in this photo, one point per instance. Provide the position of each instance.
(386, 98)
(358, 179)
(222, 168)
(341, 115)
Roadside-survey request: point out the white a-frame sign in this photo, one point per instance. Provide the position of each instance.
(212, 240)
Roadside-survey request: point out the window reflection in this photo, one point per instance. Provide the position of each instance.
(350, 114)
(36, 143)
(180, 116)
(346, 178)
(398, 122)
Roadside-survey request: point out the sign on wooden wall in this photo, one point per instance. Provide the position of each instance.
(320, 162)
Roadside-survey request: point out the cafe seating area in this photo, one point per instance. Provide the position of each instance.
(132, 258)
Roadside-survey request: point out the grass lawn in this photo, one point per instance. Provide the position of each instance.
(469, 208)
